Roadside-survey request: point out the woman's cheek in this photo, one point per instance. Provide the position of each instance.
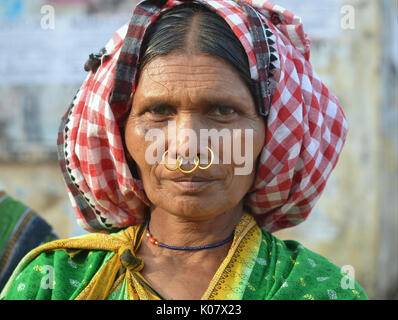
(146, 144)
(135, 140)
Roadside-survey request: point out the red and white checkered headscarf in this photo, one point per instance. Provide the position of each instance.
(305, 126)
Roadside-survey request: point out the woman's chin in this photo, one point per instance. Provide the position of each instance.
(194, 207)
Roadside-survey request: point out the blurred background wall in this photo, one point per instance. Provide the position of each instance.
(354, 50)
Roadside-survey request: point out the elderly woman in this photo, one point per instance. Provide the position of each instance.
(172, 220)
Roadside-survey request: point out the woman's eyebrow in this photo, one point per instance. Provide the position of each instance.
(230, 100)
(160, 104)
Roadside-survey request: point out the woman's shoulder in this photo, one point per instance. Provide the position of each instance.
(288, 270)
(56, 270)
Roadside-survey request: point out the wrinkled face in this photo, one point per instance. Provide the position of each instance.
(177, 96)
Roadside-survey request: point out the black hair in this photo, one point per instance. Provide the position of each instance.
(170, 33)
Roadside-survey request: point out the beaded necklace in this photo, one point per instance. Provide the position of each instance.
(153, 241)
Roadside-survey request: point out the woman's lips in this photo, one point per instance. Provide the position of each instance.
(192, 185)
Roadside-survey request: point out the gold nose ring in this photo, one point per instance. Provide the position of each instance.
(179, 162)
(196, 162)
(211, 161)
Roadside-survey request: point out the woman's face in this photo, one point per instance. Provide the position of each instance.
(179, 92)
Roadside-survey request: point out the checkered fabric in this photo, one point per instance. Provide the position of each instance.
(305, 126)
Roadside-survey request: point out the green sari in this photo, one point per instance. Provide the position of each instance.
(21, 230)
(258, 266)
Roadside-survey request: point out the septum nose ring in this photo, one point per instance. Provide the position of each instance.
(196, 162)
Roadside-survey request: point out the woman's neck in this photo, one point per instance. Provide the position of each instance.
(179, 231)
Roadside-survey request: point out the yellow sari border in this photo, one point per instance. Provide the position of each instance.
(230, 280)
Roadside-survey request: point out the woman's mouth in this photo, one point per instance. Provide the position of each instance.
(192, 184)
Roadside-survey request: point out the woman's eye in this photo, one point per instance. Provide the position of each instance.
(160, 111)
(225, 110)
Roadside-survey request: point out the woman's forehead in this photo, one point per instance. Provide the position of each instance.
(188, 74)
(180, 66)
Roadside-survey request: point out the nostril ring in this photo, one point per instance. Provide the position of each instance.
(179, 162)
(211, 161)
(196, 161)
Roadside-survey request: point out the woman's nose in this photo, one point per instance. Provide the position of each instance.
(185, 138)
